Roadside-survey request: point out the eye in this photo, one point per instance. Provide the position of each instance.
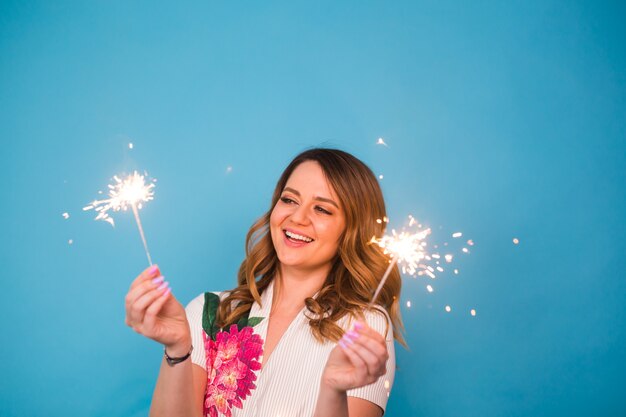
(287, 200)
(322, 210)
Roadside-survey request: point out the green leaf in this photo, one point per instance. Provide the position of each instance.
(209, 314)
(253, 321)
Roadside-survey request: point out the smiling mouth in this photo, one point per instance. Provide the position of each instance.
(294, 237)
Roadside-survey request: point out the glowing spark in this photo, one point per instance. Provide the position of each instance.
(473, 312)
(457, 234)
(465, 250)
(381, 142)
(130, 145)
(130, 191)
(229, 169)
(69, 242)
(406, 248)
(66, 215)
(408, 304)
(380, 176)
(448, 309)
(470, 242)
(515, 240)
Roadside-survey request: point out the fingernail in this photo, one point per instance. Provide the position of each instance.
(164, 285)
(342, 344)
(352, 335)
(158, 279)
(153, 269)
(346, 340)
(358, 325)
(169, 290)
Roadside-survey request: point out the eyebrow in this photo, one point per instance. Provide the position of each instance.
(325, 200)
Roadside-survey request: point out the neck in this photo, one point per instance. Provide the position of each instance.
(292, 287)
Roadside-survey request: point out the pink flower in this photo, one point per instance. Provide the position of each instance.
(232, 361)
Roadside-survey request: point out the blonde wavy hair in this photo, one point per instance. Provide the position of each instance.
(357, 267)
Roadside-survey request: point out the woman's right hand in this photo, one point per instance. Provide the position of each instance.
(151, 310)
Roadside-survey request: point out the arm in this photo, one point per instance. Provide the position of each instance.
(152, 311)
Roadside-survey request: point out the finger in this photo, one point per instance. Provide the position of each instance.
(138, 309)
(142, 288)
(150, 272)
(153, 310)
(362, 374)
(373, 362)
(371, 341)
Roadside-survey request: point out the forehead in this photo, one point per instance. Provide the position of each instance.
(309, 178)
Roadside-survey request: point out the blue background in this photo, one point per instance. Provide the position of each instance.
(503, 120)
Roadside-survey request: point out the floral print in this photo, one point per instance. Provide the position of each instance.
(232, 360)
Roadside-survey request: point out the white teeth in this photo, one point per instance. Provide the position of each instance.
(298, 237)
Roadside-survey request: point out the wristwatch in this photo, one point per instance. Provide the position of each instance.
(173, 361)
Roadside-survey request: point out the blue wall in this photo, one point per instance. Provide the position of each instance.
(503, 119)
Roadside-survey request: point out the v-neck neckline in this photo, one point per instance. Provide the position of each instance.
(264, 310)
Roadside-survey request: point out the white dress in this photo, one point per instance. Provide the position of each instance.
(288, 384)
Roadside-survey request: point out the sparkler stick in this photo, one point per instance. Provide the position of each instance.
(131, 191)
(143, 237)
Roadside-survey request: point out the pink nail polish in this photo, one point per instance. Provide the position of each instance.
(352, 335)
(162, 286)
(342, 344)
(347, 340)
(358, 325)
(158, 279)
(169, 290)
(153, 269)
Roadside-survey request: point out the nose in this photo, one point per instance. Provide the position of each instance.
(300, 215)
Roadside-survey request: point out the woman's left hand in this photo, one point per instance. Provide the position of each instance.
(359, 359)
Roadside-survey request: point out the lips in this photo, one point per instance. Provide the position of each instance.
(295, 237)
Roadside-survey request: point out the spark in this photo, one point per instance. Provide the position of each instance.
(470, 242)
(131, 191)
(465, 250)
(380, 176)
(381, 141)
(229, 169)
(457, 234)
(409, 250)
(448, 309)
(473, 312)
(66, 215)
(408, 304)
(130, 145)
(69, 242)
(515, 240)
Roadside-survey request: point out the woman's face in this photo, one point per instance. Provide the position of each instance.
(307, 221)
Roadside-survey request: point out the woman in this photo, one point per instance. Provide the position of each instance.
(302, 298)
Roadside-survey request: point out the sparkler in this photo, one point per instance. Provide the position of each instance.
(131, 191)
(408, 249)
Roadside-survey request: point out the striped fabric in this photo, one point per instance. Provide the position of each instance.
(288, 384)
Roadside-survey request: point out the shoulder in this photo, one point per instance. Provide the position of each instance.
(196, 305)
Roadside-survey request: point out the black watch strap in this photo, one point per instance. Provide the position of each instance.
(173, 361)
